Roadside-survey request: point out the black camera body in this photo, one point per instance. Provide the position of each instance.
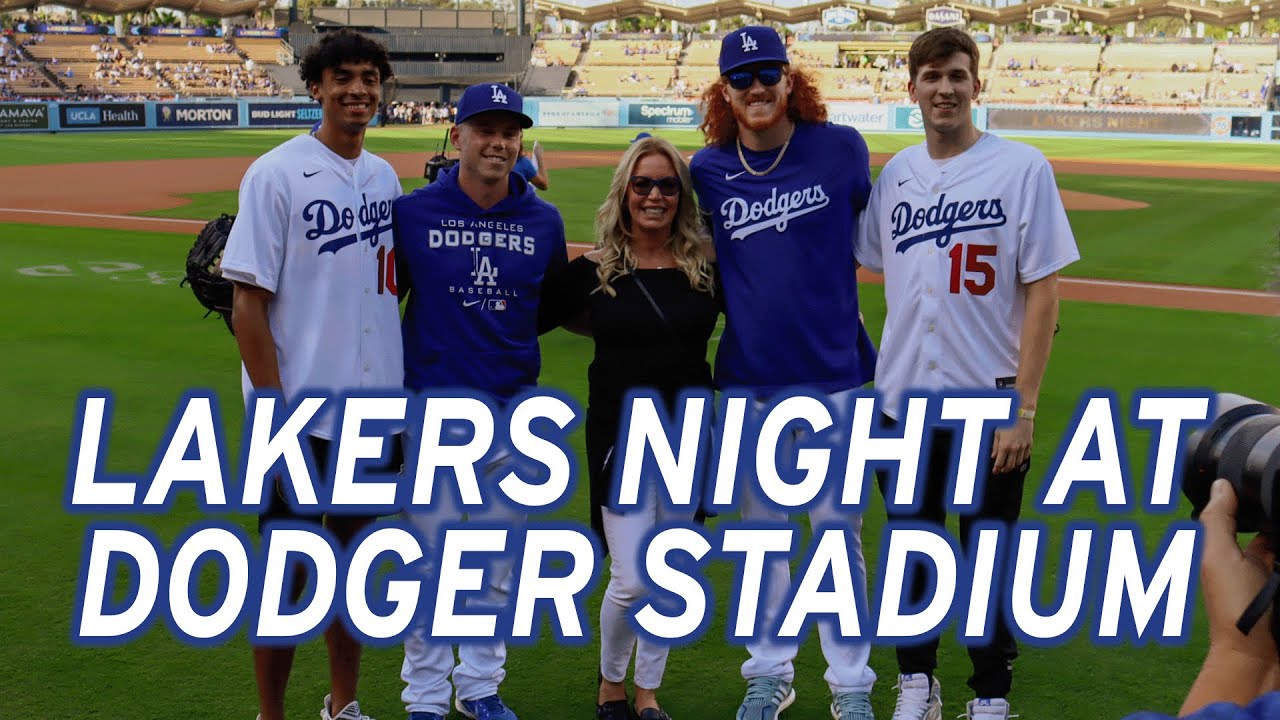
(440, 161)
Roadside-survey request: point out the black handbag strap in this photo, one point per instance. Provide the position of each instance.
(652, 303)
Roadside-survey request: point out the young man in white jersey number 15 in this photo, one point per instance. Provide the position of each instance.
(970, 233)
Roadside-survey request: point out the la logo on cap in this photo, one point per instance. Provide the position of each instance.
(498, 95)
(748, 45)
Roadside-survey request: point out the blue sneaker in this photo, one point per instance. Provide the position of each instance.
(486, 708)
(851, 706)
(425, 716)
(766, 698)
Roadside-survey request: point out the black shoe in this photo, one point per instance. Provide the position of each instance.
(614, 710)
(652, 714)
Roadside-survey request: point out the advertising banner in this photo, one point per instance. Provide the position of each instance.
(258, 33)
(943, 16)
(908, 118)
(862, 116)
(570, 113)
(1147, 123)
(24, 116)
(105, 115)
(175, 32)
(56, 29)
(664, 114)
(197, 115)
(1052, 18)
(261, 114)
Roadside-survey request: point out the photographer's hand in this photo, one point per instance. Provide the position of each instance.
(1237, 667)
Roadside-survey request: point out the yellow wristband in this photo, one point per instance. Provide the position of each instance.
(1025, 414)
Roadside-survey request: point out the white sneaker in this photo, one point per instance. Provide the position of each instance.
(350, 712)
(987, 709)
(918, 699)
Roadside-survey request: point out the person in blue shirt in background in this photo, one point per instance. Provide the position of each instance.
(1240, 677)
(472, 251)
(533, 169)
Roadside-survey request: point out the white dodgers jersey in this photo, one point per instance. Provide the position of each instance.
(957, 244)
(314, 229)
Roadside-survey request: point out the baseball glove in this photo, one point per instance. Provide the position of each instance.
(204, 271)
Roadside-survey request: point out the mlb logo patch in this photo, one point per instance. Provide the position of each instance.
(497, 305)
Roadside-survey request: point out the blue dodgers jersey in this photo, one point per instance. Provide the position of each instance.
(784, 244)
(1264, 707)
(475, 279)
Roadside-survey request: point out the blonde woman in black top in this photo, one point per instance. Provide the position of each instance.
(646, 295)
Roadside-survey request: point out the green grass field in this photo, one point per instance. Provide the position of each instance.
(130, 328)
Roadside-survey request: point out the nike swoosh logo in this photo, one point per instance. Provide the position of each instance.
(469, 303)
(904, 182)
(306, 174)
(727, 176)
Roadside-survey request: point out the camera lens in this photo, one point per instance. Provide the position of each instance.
(1241, 445)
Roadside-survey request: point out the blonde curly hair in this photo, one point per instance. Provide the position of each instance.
(688, 242)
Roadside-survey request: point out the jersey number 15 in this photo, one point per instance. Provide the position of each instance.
(973, 265)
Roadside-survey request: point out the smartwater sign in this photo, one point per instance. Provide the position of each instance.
(283, 114)
(862, 116)
(198, 115)
(24, 116)
(113, 115)
(668, 114)
(909, 118)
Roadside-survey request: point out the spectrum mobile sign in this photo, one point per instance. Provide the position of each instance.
(669, 114)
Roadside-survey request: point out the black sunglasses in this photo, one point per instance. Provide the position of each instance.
(742, 79)
(642, 185)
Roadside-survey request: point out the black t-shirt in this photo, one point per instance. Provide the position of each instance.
(634, 346)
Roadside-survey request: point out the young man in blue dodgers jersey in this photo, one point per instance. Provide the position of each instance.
(473, 248)
(970, 233)
(783, 189)
(313, 308)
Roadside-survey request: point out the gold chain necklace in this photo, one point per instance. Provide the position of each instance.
(776, 160)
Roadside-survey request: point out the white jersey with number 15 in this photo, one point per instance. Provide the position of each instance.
(958, 241)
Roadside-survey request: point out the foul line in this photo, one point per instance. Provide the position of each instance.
(103, 216)
(1166, 287)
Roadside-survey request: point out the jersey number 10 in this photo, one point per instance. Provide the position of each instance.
(973, 264)
(387, 271)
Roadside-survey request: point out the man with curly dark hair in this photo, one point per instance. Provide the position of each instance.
(312, 243)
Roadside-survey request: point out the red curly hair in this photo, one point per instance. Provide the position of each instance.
(719, 126)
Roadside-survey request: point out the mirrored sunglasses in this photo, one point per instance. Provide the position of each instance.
(742, 79)
(642, 185)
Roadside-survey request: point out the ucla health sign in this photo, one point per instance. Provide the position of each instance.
(104, 115)
(198, 115)
(664, 114)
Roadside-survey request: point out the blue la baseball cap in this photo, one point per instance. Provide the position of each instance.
(483, 98)
(751, 44)
(640, 136)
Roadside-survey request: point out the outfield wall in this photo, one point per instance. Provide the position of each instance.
(1204, 124)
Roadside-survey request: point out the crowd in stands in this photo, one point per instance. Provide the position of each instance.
(416, 113)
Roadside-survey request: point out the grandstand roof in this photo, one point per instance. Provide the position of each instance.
(797, 11)
(213, 8)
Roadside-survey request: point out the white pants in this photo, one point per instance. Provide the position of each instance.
(847, 668)
(624, 533)
(428, 664)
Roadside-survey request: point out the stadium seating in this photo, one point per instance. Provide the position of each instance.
(265, 51)
(554, 53)
(1141, 56)
(1151, 88)
(632, 81)
(1040, 87)
(614, 53)
(1238, 89)
(1047, 56)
